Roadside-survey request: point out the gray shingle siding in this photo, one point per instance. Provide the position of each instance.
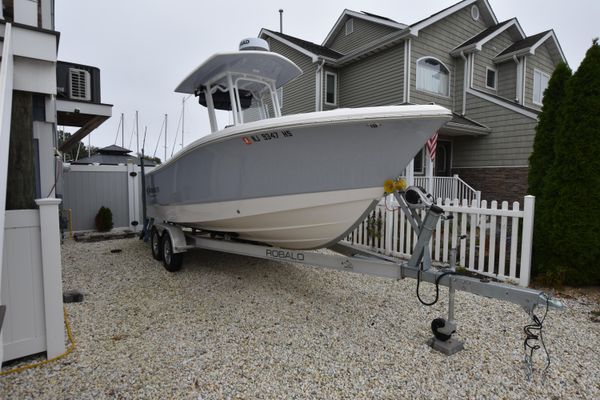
(436, 41)
(364, 32)
(298, 95)
(507, 80)
(541, 61)
(373, 81)
(484, 58)
(509, 144)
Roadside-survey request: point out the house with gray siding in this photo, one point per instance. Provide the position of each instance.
(488, 72)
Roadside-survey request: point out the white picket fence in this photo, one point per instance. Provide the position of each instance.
(491, 241)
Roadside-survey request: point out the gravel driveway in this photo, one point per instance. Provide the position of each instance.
(228, 326)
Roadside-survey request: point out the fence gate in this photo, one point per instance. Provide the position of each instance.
(86, 188)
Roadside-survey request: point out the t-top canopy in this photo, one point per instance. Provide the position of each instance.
(266, 65)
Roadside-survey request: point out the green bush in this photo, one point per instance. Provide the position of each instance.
(540, 162)
(573, 183)
(104, 219)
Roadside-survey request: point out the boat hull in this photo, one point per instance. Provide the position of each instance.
(294, 182)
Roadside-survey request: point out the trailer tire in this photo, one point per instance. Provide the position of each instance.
(437, 324)
(171, 261)
(156, 244)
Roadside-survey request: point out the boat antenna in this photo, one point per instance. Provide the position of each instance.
(281, 20)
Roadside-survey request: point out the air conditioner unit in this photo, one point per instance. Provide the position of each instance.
(79, 84)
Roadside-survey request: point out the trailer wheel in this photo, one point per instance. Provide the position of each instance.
(156, 245)
(171, 261)
(437, 324)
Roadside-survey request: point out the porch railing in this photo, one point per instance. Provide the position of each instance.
(449, 187)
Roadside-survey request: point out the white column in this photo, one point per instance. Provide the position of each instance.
(52, 275)
(410, 173)
(429, 173)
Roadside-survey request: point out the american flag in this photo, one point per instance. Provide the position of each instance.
(432, 145)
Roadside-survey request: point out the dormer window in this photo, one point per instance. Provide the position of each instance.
(540, 83)
(349, 26)
(490, 78)
(433, 76)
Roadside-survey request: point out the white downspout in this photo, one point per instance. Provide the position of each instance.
(318, 90)
(465, 77)
(408, 72)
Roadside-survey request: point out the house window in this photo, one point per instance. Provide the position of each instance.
(330, 88)
(475, 12)
(490, 78)
(540, 83)
(433, 76)
(419, 163)
(349, 26)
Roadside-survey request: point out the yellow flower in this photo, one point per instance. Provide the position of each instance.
(400, 185)
(388, 186)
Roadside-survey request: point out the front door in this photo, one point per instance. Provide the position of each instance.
(443, 158)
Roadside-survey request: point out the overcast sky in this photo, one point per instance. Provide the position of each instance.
(144, 48)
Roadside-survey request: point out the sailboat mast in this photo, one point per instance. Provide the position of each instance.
(123, 130)
(182, 119)
(166, 119)
(137, 132)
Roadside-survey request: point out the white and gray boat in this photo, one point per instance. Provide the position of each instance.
(299, 181)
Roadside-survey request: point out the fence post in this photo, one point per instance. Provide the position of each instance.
(52, 277)
(454, 187)
(527, 241)
(389, 228)
(132, 195)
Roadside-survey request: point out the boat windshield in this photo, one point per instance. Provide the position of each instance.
(249, 98)
(245, 83)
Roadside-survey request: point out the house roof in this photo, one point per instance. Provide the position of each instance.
(312, 48)
(114, 149)
(477, 41)
(378, 19)
(529, 44)
(524, 43)
(502, 101)
(113, 155)
(460, 125)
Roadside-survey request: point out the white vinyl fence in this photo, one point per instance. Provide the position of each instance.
(490, 240)
(118, 187)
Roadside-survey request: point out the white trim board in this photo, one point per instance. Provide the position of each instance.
(504, 104)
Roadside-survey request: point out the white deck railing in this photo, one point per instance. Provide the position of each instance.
(448, 187)
(497, 241)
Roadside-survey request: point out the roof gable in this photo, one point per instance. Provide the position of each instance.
(487, 12)
(529, 44)
(346, 14)
(310, 49)
(477, 41)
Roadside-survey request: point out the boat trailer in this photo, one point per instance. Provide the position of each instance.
(170, 241)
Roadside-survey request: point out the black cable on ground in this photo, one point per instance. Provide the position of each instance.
(534, 333)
